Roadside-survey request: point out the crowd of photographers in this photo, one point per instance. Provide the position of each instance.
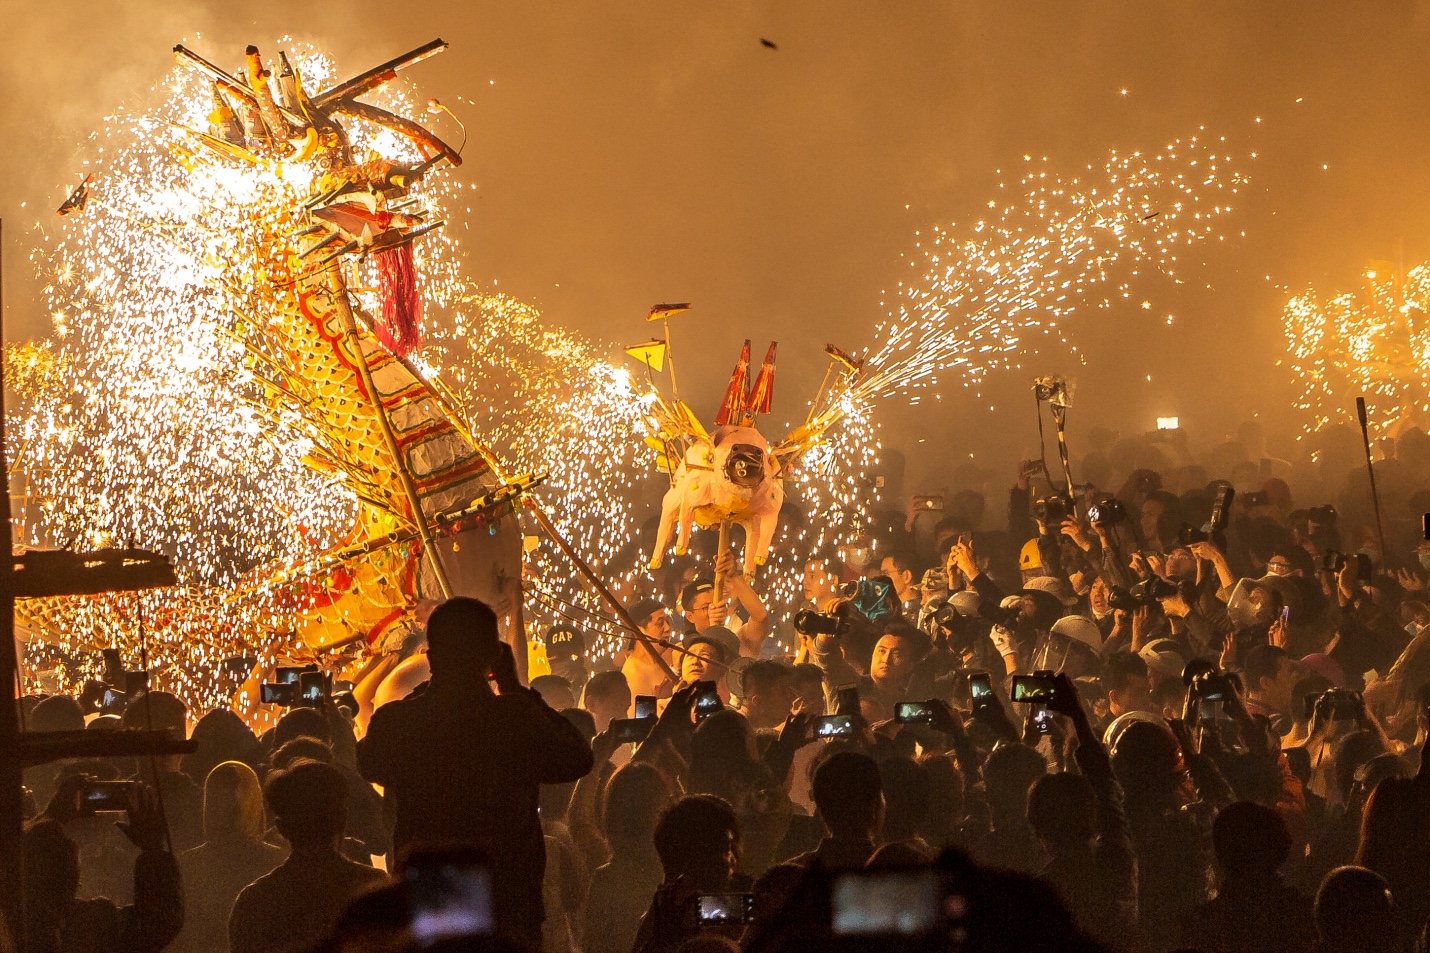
(1166, 713)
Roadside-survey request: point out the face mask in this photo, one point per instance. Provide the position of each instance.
(1411, 629)
(1425, 560)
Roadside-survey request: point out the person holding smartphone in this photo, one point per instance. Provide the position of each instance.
(463, 764)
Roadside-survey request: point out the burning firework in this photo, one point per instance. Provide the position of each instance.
(1375, 344)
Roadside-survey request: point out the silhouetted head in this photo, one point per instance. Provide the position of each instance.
(309, 803)
(1148, 760)
(849, 794)
(221, 736)
(607, 697)
(51, 866)
(301, 723)
(233, 803)
(56, 713)
(1062, 809)
(1008, 772)
(159, 710)
(462, 639)
(1354, 912)
(302, 748)
(698, 837)
(907, 796)
(1250, 840)
(555, 691)
(635, 797)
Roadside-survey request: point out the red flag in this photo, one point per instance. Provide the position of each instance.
(764, 389)
(734, 402)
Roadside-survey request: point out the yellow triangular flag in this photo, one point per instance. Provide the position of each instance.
(651, 354)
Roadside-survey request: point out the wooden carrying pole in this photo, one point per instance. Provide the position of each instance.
(339, 290)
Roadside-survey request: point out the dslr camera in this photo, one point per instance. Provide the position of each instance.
(1147, 592)
(1052, 510)
(1212, 686)
(1336, 704)
(1325, 515)
(1335, 562)
(811, 623)
(1107, 512)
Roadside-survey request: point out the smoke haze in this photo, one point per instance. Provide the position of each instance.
(633, 152)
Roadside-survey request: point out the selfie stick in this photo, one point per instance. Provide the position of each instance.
(1370, 469)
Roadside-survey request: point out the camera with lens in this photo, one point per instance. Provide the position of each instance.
(1189, 534)
(1322, 515)
(1339, 704)
(948, 619)
(1107, 512)
(1335, 562)
(811, 623)
(1212, 686)
(1052, 510)
(1147, 592)
(996, 614)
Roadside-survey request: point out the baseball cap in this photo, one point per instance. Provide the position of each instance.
(642, 611)
(562, 641)
(694, 588)
(1029, 558)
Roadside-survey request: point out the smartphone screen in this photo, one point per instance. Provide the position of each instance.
(271, 694)
(631, 730)
(645, 706)
(1043, 720)
(834, 726)
(725, 908)
(286, 674)
(105, 796)
(1032, 689)
(885, 903)
(980, 686)
(707, 699)
(449, 900)
(913, 713)
(312, 688)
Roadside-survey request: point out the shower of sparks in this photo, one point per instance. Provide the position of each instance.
(1374, 343)
(1050, 245)
(147, 415)
(145, 419)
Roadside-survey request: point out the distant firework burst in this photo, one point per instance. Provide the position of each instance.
(1374, 343)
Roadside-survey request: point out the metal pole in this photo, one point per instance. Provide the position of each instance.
(429, 545)
(11, 776)
(1374, 494)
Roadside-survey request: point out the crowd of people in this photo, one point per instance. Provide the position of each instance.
(1164, 712)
